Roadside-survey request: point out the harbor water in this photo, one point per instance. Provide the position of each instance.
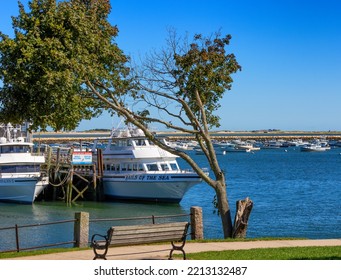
(295, 194)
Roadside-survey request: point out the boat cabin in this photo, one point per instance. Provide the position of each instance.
(142, 167)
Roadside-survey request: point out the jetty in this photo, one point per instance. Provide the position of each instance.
(258, 135)
(72, 175)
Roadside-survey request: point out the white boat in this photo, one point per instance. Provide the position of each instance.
(237, 146)
(274, 144)
(178, 145)
(313, 148)
(20, 177)
(136, 169)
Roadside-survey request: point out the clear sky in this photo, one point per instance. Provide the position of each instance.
(289, 50)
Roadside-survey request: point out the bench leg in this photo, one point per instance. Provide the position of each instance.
(100, 255)
(177, 248)
(171, 254)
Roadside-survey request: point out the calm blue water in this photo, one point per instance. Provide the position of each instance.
(295, 194)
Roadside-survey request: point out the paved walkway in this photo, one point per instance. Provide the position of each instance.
(157, 252)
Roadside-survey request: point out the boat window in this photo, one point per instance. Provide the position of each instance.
(115, 167)
(164, 166)
(152, 167)
(113, 145)
(140, 142)
(137, 167)
(15, 149)
(19, 168)
(124, 143)
(123, 167)
(174, 166)
(130, 167)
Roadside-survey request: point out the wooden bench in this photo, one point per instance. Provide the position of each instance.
(141, 234)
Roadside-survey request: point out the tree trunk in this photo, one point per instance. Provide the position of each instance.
(224, 210)
(241, 219)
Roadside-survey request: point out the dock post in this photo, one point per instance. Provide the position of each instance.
(197, 223)
(81, 229)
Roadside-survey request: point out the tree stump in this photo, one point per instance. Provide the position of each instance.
(241, 219)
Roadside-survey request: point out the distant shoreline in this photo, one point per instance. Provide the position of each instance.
(48, 137)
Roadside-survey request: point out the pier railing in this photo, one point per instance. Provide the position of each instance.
(13, 239)
(20, 238)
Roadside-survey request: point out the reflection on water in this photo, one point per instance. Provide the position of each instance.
(295, 194)
(45, 212)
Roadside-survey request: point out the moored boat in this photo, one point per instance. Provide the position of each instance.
(239, 146)
(136, 169)
(313, 148)
(20, 177)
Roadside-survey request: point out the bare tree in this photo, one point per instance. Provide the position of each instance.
(183, 83)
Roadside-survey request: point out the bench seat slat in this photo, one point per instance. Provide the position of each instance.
(179, 225)
(143, 240)
(177, 234)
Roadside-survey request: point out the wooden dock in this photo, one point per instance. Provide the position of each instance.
(69, 181)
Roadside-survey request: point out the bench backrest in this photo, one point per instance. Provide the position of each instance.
(150, 233)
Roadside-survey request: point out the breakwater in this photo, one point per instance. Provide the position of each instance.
(57, 137)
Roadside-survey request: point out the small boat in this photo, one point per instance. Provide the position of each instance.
(238, 146)
(178, 145)
(20, 177)
(313, 148)
(136, 169)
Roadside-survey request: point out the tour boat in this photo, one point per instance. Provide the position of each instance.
(136, 169)
(20, 177)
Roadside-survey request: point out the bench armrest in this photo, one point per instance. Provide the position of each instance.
(100, 246)
(103, 238)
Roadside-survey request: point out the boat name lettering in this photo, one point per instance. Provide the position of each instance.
(6, 181)
(132, 177)
(159, 178)
(148, 177)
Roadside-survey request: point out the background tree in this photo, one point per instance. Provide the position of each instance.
(63, 66)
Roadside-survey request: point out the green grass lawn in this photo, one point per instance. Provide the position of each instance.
(292, 253)
(9, 255)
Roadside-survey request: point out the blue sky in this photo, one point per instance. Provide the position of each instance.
(289, 50)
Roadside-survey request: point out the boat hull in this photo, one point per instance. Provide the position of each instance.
(21, 190)
(313, 149)
(160, 188)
